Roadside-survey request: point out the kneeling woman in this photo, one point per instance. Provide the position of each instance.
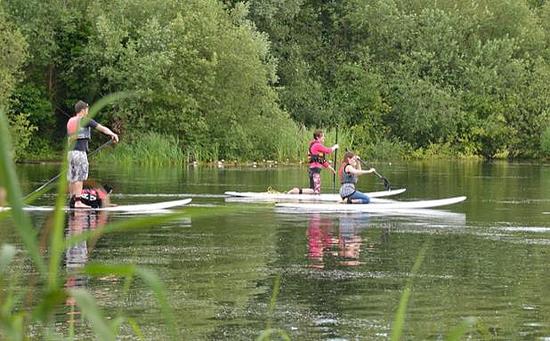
(93, 196)
(348, 172)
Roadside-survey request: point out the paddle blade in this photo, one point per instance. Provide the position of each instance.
(387, 185)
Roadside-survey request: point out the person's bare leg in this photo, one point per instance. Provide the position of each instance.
(76, 191)
(297, 190)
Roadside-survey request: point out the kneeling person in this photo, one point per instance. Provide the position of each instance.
(97, 197)
(349, 172)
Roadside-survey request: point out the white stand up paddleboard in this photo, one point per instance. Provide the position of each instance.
(375, 206)
(268, 196)
(122, 208)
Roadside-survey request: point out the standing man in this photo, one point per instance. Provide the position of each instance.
(317, 161)
(78, 157)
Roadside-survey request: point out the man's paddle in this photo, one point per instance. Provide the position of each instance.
(39, 190)
(387, 185)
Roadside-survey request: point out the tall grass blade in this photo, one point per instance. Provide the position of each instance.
(148, 277)
(154, 282)
(6, 256)
(268, 332)
(50, 301)
(91, 312)
(399, 320)
(9, 177)
(147, 222)
(135, 328)
(459, 331)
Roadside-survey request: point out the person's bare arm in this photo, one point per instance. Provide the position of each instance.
(107, 132)
(356, 171)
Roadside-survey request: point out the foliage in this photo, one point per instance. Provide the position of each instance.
(233, 80)
(13, 50)
(22, 130)
(150, 149)
(202, 74)
(545, 141)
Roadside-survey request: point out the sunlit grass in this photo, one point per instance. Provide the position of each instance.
(149, 149)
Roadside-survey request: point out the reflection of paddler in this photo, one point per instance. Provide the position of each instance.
(319, 238)
(77, 255)
(349, 242)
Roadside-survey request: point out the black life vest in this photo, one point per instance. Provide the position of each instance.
(345, 177)
(318, 158)
(92, 198)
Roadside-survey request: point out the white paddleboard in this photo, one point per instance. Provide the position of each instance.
(382, 206)
(268, 196)
(122, 208)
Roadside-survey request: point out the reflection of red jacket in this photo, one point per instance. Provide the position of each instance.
(318, 237)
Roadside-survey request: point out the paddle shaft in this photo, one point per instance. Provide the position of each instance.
(58, 175)
(387, 185)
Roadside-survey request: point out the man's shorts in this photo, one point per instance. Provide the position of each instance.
(78, 166)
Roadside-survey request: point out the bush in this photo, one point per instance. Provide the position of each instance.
(545, 142)
(386, 149)
(21, 129)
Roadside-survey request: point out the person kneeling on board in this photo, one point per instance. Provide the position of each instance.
(348, 172)
(94, 197)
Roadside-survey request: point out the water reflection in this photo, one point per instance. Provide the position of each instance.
(335, 241)
(77, 255)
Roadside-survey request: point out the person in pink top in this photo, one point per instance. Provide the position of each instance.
(317, 161)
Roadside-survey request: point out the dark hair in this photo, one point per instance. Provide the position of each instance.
(347, 156)
(108, 189)
(79, 106)
(317, 134)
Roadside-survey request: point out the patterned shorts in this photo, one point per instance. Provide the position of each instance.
(78, 166)
(315, 180)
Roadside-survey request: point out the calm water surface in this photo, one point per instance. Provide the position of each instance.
(341, 275)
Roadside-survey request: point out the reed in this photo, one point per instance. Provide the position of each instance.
(293, 144)
(149, 149)
(29, 301)
(398, 324)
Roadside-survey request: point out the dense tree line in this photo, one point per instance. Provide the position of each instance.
(234, 80)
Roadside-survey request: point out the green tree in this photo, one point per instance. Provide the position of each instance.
(13, 51)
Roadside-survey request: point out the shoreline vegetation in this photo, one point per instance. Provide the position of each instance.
(155, 149)
(215, 79)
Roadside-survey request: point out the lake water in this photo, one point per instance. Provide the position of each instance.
(330, 276)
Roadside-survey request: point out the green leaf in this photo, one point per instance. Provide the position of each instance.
(9, 178)
(92, 313)
(6, 256)
(49, 301)
(459, 331)
(150, 279)
(399, 320)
